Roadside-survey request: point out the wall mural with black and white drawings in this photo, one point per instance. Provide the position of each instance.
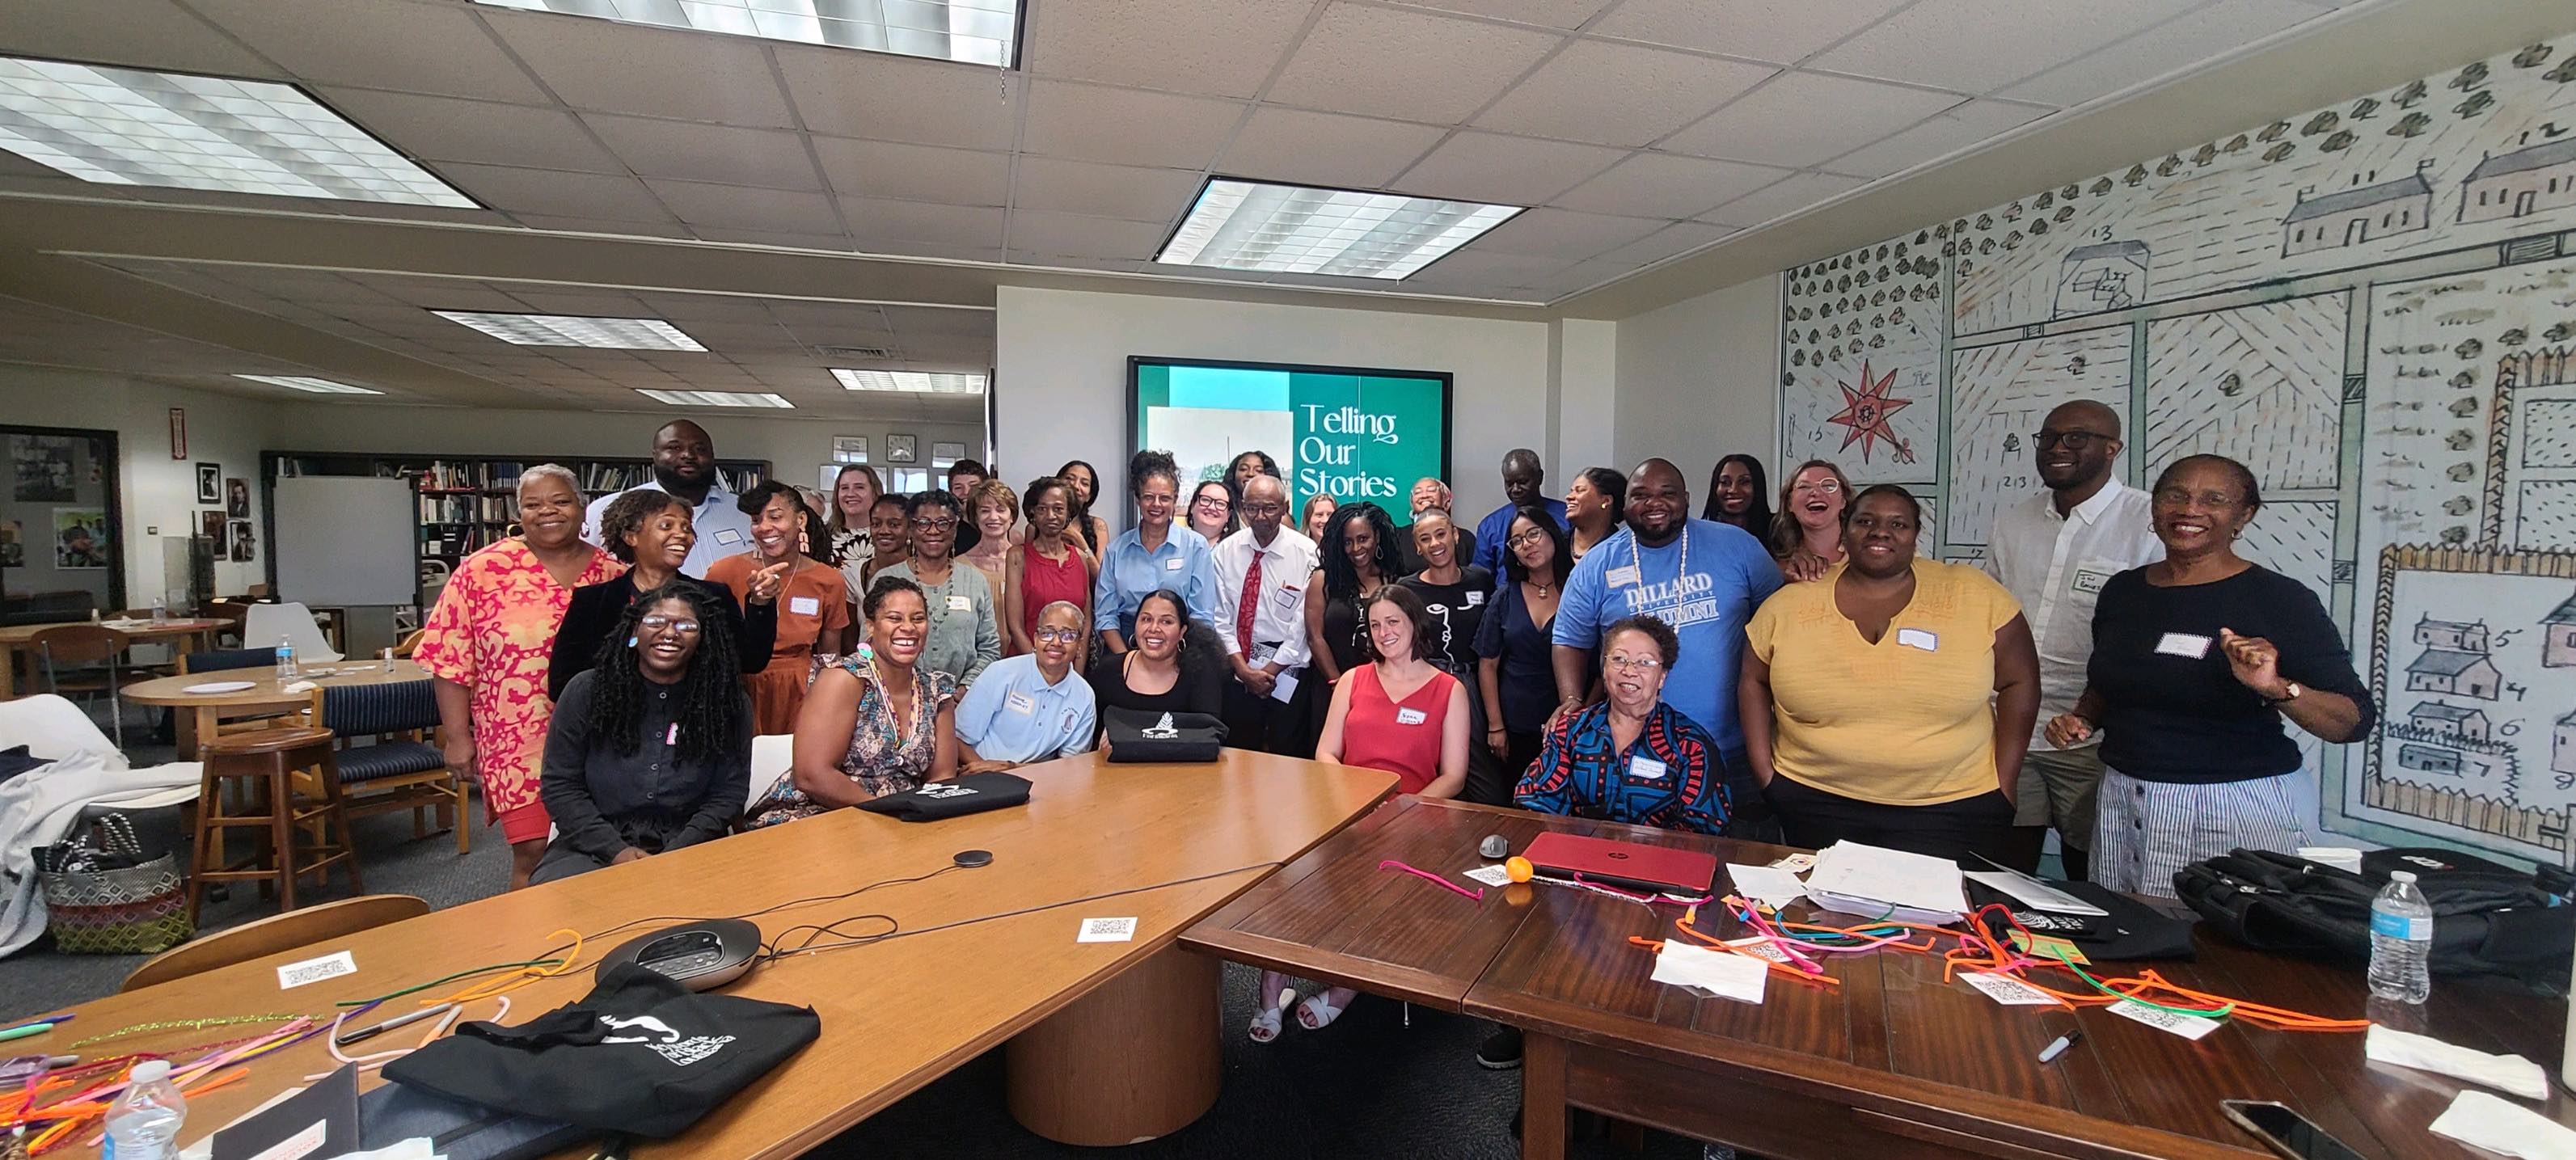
(2373, 305)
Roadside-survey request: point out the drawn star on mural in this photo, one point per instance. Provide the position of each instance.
(1867, 412)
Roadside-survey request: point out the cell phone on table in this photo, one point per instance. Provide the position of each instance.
(2286, 1131)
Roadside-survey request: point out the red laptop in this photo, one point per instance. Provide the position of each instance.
(1623, 864)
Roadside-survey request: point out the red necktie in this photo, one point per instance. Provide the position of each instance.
(1250, 604)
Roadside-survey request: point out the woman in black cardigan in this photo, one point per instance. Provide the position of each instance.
(652, 531)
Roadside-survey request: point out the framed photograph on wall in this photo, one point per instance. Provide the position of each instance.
(242, 544)
(903, 448)
(237, 498)
(210, 483)
(210, 524)
(80, 538)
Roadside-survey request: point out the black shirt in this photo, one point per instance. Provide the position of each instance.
(1199, 689)
(1455, 611)
(603, 801)
(1523, 676)
(2172, 709)
(593, 615)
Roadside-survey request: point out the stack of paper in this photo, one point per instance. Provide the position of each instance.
(1718, 973)
(1876, 882)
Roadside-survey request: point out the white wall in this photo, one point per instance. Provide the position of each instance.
(1700, 379)
(1061, 372)
(160, 493)
(1586, 376)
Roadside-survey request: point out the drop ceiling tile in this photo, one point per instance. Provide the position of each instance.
(1663, 185)
(913, 321)
(1076, 262)
(417, 48)
(1801, 118)
(1577, 277)
(1472, 269)
(449, 129)
(1293, 145)
(890, 98)
(875, 220)
(2176, 44)
(608, 67)
(539, 221)
(1561, 14)
(770, 158)
(142, 33)
(1557, 233)
(714, 308)
(1956, 129)
(739, 207)
(1977, 46)
(1411, 65)
(469, 296)
(581, 304)
(1782, 31)
(1078, 236)
(595, 196)
(1225, 48)
(915, 172)
(1791, 194)
(1118, 191)
(1504, 170)
(1126, 126)
(1677, 238)
(1618, 94)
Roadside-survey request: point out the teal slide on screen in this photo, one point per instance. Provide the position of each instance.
(1348, 433)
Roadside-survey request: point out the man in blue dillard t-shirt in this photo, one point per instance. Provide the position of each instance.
(1701, 577)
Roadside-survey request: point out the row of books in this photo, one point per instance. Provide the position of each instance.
(465, 509)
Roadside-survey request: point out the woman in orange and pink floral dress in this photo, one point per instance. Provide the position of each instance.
(488, 644)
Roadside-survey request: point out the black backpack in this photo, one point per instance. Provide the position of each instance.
(2488, 919)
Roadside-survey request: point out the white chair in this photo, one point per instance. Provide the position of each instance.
(292, 621)
(772, 757)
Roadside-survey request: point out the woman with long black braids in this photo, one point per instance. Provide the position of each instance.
(1739, 493)
(1357, 556)
(650, 748)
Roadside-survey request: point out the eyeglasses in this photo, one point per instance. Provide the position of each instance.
(931, 524)
(2071, 440)
(1264, 509)
(1053, 635)
(657, 622)
(1524, 539)
(1214, 503)
(1633, 664)
(1829, 487)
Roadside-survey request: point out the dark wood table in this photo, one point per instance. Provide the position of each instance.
(1891, 1063)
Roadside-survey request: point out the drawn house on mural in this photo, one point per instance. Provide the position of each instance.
(2454, 660)
(2546, 367)
(2103, 276)
(2459, 722)
(2562, 745)
(2521, 183)
(2349, 217)
(2558, 636)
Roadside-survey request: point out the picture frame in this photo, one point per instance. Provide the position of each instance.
(849, 449)
(237, 498)
(178, 432)
(903, 448)
(210, 483)
(210, 524)
(244, 545)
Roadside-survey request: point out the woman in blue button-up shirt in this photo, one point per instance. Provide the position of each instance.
(1157, 553)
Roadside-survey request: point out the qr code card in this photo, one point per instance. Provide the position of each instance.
(1104, 930)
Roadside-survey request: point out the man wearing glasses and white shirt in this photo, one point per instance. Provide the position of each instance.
(2053, 552)
(1261, 576)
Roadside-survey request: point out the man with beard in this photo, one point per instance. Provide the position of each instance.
(1702, 578)
(684, 464)
(2053, 552)
(1523, 476)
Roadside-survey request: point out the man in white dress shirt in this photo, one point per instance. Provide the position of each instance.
(1261, 576)
(2053, 551)
(684, 464)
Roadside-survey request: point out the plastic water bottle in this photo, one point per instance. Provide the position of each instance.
(160, 610)
(144, 1124)
(2401, 941)
(287, 669)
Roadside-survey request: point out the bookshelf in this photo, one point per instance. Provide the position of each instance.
(465, 502)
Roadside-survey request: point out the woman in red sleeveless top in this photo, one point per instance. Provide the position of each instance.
(1397, 713)
(1053, 565)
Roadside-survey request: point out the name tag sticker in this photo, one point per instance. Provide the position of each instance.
(671, 736)
(728, 537)
(331, 966)
(961, 604)
(1411, 716)
(1475, 598)
(2187, 1026)
(1021, 703)
(1624, 574)
(2184, 644)
(805, 605)
(1288, 597)
(1645, 767)
(1918, 638)
(1172, 565)
(2091, 575)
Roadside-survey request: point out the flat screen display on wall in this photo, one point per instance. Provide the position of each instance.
(1351, 433)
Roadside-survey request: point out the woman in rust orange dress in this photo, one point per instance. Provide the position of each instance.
(488, 644)
(813, 601)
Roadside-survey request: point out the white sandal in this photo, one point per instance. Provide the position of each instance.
(1319, 1011)
(1265, 1026)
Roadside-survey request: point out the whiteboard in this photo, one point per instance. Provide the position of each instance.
(343, 542)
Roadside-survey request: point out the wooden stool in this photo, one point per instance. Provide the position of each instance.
(270, 761)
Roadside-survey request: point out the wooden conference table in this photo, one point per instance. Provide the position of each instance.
(1109, 1041)
(1891, 1063)
(266, 694)
(18, 638)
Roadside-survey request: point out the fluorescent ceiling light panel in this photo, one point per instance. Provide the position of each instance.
(1296, 229)
(567, 330)
(972, 31)
(122, 126)
(919, 382)
(303, 383)
(716, 398)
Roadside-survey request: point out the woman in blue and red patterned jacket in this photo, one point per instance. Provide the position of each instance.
(1631, 758)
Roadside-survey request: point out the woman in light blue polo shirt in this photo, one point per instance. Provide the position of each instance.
(1029, 707)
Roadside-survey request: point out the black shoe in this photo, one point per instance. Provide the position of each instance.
(1501, 1050)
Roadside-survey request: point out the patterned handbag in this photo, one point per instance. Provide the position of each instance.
(111, 900)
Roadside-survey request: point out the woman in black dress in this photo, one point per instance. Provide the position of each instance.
(1166, 671)
(1454, 595)
(1513, 639)
(652, 532)
(1357, 557)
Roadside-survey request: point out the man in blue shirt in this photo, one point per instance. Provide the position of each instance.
(1522, 476)
(684, 464)
(1702, 578)
(1029, 707)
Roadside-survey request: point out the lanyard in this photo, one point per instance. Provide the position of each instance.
(1680, 565)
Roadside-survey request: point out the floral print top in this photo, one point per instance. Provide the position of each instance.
(881, 758)
(494, 632)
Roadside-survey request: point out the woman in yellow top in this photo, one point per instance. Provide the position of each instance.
(1890, 704)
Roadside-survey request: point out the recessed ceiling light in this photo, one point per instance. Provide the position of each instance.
(567, 330)
(1297, 229)
(122, 126)
(973, 31)
(302, 383)
(716, 398)
(924, 382)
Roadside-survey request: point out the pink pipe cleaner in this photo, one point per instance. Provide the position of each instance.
(1476, 895)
